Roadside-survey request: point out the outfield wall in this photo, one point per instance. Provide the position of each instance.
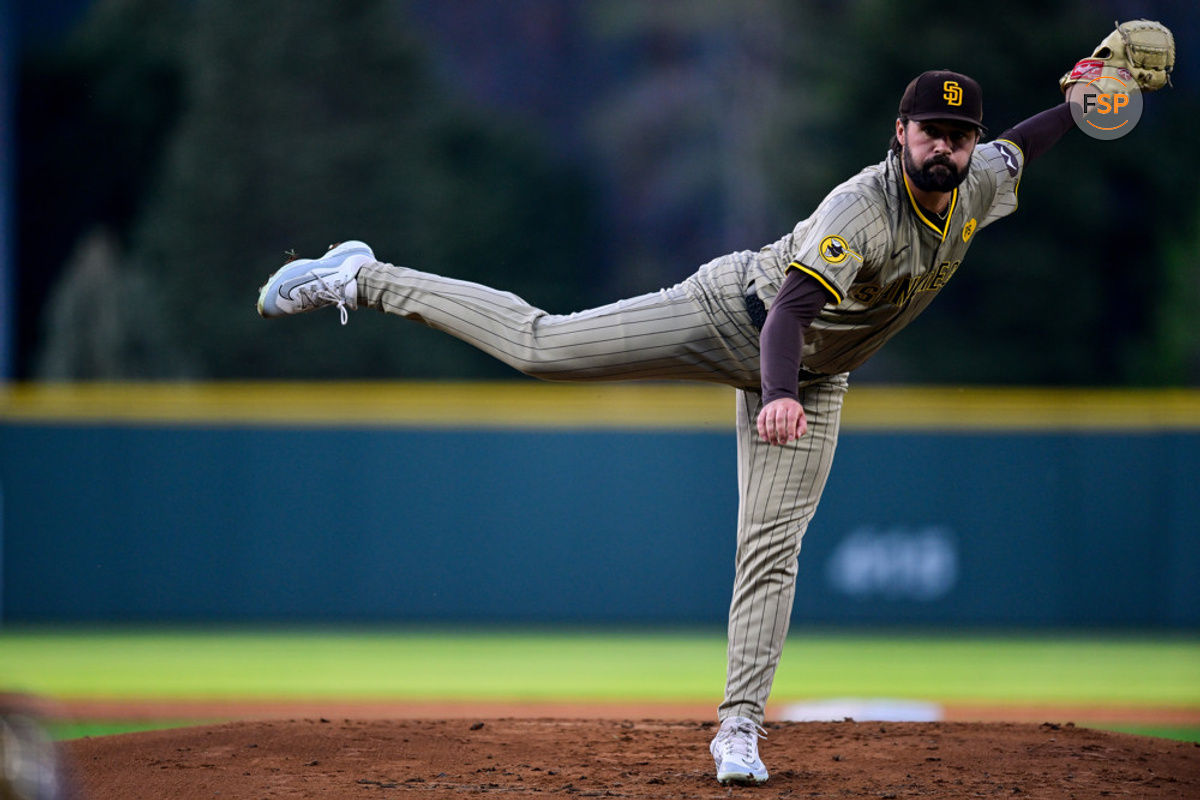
(527, 502)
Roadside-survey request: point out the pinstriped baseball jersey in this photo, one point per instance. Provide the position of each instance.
(875, 251)
(880, 256)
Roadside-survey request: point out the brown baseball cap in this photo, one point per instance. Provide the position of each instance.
(942, 94)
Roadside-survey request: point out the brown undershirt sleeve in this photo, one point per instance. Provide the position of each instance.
(1038, 133)
(799, 301)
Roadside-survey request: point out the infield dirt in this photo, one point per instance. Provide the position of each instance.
(515, 757)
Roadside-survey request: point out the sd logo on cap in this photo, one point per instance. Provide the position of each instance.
(942, 94)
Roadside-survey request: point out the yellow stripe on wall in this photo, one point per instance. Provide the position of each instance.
(928, 408)
(515, 404)
(537, 405)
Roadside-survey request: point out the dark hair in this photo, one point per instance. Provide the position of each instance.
(894, 144)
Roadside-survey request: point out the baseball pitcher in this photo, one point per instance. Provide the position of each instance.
(783, 325)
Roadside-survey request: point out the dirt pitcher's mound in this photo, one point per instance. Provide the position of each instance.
(631, 759)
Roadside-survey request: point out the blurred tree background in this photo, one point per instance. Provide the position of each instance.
(571, 151)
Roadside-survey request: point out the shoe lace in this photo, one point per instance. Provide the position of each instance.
(741, 740)
(327, 293)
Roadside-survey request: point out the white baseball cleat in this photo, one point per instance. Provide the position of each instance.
(735, 749)
(307, 284)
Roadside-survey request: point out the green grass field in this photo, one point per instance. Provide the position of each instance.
(593, 666)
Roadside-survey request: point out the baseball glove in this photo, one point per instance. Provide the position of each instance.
(1142, 49)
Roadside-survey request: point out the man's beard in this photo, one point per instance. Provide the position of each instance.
(936, 175)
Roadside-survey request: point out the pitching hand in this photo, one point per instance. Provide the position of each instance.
(782, 421)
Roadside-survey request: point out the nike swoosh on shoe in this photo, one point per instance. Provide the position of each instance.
(285, 288)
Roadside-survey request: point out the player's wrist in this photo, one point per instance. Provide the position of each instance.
(771, 395)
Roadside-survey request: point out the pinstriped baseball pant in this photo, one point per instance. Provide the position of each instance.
(697, 330)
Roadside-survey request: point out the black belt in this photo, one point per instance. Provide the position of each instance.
(755, 308)
(758, 317)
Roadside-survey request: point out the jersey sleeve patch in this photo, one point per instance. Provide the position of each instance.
(1001, 165)
(834, 250)
(1008, 156)
(842, 234)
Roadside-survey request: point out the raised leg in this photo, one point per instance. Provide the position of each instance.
(686, 332)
